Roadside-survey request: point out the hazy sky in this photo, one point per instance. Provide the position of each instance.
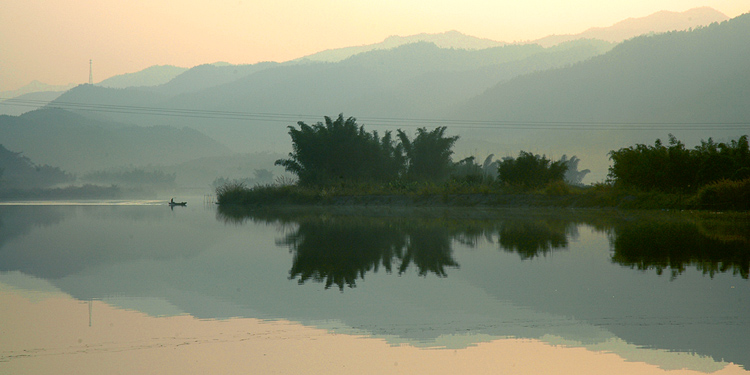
(53, 40)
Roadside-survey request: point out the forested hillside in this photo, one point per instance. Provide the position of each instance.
(76, 143)
(18, 171)
(696, 76)
(692, 84)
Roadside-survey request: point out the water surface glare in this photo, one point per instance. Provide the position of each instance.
(152, 289)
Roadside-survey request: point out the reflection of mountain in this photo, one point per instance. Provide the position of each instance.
(73, 249)
(578, 297)
(17, 222)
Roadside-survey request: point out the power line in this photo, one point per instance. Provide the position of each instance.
(383, 121)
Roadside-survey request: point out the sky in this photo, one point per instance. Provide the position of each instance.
(52, 41)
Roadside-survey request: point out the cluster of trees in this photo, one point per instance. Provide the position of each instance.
(675, 168)
(529, 170)
(341, 151)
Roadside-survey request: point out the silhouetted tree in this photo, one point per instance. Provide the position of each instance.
(676, 168)
(340, 150)
(530, 171)
(428, 156)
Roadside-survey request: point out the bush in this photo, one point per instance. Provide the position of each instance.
(340, 150)
(725, 195)
(557, 188)
(230, 193)
(530, 171)
(675, 168)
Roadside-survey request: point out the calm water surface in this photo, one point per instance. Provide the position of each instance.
(667, 290)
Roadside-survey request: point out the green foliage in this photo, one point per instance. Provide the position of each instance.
(428, 156)
(719, 161)
(530, 171)
(676, 168)
(237, 194)
(557, 188)
(231, 192)
(725, 195)
(341, 150)
(673, 245)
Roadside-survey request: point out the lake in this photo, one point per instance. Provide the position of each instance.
(139, 287)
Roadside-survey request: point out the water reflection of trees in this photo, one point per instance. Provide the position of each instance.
(533, 238)
(710, 245)
(338, 249)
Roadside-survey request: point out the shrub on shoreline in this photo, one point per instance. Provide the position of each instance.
(725, 195)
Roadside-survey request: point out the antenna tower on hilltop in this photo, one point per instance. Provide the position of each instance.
(91, 73)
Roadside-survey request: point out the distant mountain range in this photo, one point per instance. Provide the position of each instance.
(152, 76)
(34, 86)
(411, 81)
(693, 84)
(32, 96)
(582, 97)
(659, 22)
(448, 39)
(78, 144)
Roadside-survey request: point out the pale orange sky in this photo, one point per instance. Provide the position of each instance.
(53, 40)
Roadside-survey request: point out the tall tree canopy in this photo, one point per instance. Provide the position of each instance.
(428, 156)
(677, 168)
(530, 171)
(340, 150)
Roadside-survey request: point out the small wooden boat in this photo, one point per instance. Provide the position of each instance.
(173, 203)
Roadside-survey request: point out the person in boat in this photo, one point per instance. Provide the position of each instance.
(171, 201)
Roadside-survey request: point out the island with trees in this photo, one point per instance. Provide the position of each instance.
(339, 162)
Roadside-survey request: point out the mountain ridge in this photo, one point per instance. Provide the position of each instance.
(659, 22)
